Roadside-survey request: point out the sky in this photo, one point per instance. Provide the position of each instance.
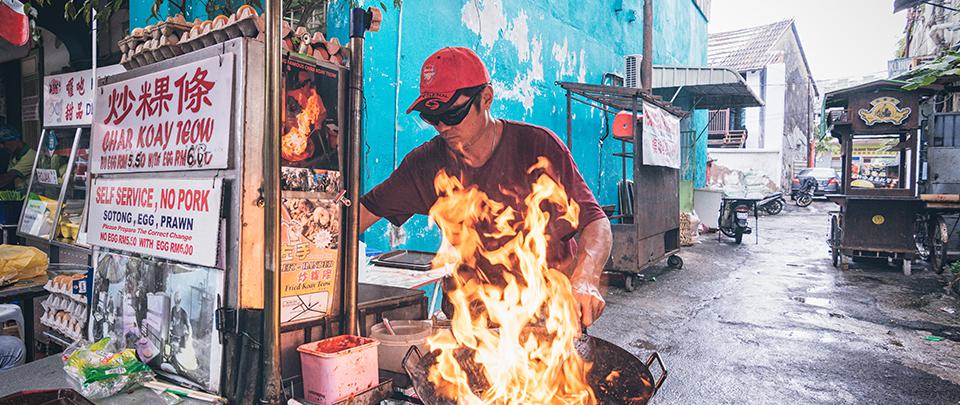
(841, 38)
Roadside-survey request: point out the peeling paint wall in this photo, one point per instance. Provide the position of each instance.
(527, 45)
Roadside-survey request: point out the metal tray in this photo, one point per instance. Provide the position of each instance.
(405, 259)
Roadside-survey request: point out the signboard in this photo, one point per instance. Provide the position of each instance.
(47, 176)
(176, 219)
(884, 112)
(68, 98)
(174, 120)
(309, 238)
(661, 137)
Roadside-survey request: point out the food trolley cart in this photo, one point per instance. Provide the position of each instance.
(881, 215)
(653, 231)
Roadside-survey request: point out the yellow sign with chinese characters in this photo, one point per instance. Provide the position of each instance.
(884, 110)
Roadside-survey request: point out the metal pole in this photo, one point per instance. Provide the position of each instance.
(93, 47)
(646, 65)
(351, 235)
(272, 391)
(569, 125)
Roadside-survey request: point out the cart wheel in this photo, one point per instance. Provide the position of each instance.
(629, 281)
(675, 262)
(938, 248)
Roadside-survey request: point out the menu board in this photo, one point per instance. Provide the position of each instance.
(177, 219)
(68, 97)
(173, 120)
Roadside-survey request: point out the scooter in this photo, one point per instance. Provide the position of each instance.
(804, 195)
(734, 213)
(772, 204)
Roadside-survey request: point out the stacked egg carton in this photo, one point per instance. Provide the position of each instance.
(175, 36)
(314, 45)
(64, 311)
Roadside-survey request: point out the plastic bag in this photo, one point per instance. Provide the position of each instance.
(99, 372)
(21, 263)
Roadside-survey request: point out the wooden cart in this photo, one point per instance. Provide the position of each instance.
(649, 228)
(881, 214)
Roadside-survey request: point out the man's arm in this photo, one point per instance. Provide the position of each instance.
(596, 240)
(367, 218)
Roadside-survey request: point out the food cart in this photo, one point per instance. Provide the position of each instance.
(881, 214)
(652, 231)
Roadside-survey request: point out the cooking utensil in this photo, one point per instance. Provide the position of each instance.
(616, 375)
(386, 324)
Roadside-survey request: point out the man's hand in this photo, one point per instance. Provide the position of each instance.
(589, 301)
(595, 242)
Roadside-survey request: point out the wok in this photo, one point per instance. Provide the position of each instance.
(634, 385)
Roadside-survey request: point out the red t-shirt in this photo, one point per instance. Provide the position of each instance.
(504, 178)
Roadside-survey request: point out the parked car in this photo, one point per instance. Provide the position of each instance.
(828, 181)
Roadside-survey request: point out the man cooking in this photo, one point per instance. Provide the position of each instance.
(492, 154)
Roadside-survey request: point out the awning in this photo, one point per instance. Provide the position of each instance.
(711, 88)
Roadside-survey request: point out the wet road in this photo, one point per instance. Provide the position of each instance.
(775, 323)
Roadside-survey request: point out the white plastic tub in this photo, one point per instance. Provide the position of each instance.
(338, 367)
(393, 347)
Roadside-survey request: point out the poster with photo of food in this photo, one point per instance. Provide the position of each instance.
(164, 311)
(312, 115)
(309, 239)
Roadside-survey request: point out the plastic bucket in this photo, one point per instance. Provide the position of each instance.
(393, 347)
(338, 367)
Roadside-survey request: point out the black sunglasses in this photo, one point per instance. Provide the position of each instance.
(453, 116)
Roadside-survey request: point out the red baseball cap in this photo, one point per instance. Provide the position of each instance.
(443, 74)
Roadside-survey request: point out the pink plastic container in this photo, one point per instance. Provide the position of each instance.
(338, 367)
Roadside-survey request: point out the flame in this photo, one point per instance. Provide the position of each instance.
(523, 344)
(297, 139)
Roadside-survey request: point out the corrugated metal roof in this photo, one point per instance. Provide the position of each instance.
(712, 87)
(746, 49)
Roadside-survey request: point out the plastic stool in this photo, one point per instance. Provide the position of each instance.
(10, 312)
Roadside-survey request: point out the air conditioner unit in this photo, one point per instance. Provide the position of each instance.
(632, 71)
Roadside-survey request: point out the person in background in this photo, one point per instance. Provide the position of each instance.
(21, 160)
(494, 155)
(11, 352)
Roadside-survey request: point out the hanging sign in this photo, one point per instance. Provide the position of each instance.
(173, 120)
(884, 110)
(68, 98)
(661, 137)
(176, 219)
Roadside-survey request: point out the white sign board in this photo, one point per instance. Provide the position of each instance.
(173, 120)
(176, 219)
(661, 137)
(68, 98)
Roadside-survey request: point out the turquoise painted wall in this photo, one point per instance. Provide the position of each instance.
(527, 46)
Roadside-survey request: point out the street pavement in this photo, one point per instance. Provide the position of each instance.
(773, 323)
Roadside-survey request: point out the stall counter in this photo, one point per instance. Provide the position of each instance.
(47, 374)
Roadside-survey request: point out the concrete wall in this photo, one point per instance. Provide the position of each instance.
(527, 46)
(799, 107)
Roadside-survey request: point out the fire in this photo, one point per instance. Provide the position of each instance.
(295, 143)
(523, 344)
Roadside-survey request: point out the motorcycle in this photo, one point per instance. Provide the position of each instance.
(734, 213)
(804, 195)
(772, 204)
